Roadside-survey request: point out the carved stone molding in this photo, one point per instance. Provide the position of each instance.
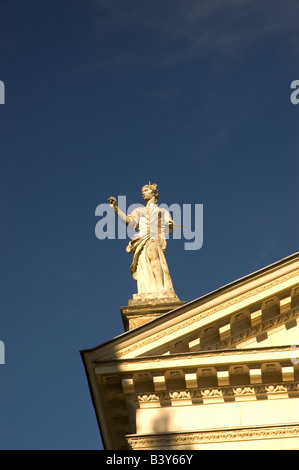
(200, 354)
(180, 325)
(255, 330)
(261, 390)
(201, 437)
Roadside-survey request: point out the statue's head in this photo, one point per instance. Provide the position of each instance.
(153, 188)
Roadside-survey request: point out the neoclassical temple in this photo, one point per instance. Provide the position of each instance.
(220, 372)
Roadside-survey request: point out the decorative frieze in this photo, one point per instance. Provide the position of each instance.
(173, 440)
(206, 395)
(245, 393)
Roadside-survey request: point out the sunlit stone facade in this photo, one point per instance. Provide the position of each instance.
(220, 372)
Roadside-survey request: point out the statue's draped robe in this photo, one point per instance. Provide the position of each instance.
(153, 225)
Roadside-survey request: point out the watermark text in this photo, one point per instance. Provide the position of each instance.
(295, 94)
(187, 222)
(2, 354)
(2, 92)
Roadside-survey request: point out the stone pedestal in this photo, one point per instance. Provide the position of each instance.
(145, 307)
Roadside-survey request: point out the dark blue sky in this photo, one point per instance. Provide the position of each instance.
(101, 97)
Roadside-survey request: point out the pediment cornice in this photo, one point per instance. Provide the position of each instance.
(218, 308)
(201, 320)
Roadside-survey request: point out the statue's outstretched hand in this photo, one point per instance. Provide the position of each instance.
(112, 201)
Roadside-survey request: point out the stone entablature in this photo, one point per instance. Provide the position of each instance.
(253, 438)
(251, 365)
(222, 370)
(172, 384)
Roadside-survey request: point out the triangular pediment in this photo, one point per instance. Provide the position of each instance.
(261, 309)
(236, 343)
